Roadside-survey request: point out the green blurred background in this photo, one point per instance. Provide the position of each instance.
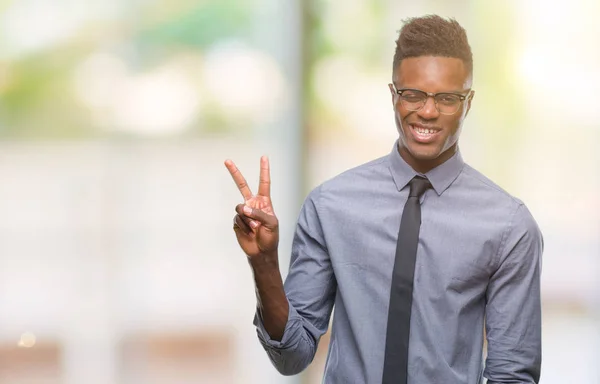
(117, 259)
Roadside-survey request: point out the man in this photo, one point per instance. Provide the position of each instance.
(417, 251)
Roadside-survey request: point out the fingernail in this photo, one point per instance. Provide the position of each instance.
(253, 224)
(247, 209)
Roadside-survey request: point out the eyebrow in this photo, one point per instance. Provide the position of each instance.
(456, 91)
(451, 91)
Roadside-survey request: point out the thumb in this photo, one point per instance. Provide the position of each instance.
(270, 222)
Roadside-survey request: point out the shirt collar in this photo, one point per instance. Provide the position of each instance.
(441, 177)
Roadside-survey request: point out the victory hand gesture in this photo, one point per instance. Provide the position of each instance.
(256, 226)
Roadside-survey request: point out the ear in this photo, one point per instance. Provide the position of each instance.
(393, 94)
(469, 99)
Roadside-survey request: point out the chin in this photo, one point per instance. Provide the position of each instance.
(424, 154)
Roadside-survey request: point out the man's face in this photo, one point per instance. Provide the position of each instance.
(430, 74)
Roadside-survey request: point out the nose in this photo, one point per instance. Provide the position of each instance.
(429, 110)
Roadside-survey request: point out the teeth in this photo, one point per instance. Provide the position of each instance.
(424, 131)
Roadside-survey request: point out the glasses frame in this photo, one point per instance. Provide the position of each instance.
(432, 95)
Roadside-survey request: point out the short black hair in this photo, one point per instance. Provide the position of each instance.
(432, 35)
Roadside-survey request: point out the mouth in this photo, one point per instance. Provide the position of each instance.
(424, 134)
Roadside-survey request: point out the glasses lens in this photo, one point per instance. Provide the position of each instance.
(447, 103)
(413, 100)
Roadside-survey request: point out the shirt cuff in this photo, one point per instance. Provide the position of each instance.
(288, 334)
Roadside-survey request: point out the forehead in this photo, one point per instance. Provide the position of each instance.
(432, 74)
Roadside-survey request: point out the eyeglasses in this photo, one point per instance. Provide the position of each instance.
(446, 103)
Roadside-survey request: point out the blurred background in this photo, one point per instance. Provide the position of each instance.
(118, 263)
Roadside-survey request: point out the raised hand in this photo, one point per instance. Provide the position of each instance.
(256, 226)
(257, 230)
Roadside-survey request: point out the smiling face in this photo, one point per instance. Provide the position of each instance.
(428, 138)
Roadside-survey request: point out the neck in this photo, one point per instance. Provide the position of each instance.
(424, 166)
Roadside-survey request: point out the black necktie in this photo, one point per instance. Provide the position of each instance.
(398, 327)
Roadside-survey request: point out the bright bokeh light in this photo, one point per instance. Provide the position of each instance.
(27, 340)
(245, 82)
(164, 100)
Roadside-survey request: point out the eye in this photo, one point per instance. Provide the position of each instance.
(412, 96)
(448, 99)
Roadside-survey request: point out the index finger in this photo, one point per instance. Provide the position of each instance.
(239, 179)
(264, 183)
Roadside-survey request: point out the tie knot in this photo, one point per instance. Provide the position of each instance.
(418, 186)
